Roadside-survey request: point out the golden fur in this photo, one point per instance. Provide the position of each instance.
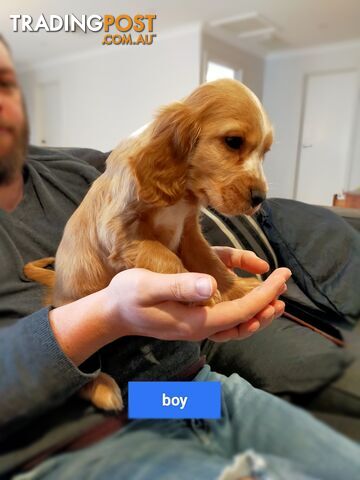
(143, 211)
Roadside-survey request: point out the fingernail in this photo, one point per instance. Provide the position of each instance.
(254, 327)
(203, 287)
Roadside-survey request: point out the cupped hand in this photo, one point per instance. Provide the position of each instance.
(141, 302)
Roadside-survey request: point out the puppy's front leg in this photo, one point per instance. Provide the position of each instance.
(197, 256)
(243, 286)
(154, 256)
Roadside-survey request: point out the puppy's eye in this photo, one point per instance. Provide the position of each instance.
(235, 143)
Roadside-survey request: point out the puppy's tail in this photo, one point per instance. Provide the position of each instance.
(38, 272)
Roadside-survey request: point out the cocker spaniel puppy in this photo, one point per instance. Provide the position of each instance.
(143, 211)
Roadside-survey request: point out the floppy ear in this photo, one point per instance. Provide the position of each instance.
(160, 167)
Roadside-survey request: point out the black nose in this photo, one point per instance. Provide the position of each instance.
(257, 197)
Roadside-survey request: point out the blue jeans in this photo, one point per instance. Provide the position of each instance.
(258, 436)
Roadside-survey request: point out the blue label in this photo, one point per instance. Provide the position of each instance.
(174, 400)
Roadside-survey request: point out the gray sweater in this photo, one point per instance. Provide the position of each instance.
(38, 408)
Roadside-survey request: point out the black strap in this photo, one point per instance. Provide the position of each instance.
(318, 320)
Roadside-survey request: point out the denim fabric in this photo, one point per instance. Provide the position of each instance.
(259, 436)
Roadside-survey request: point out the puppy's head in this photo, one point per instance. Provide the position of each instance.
(211, 144)
(226, 169)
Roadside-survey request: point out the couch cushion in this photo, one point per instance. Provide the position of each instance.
(283, 358)
(242, 232)
(321, 249)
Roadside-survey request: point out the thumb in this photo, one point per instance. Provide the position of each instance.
(179, 287)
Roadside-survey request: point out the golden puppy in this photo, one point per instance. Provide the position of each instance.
(143, 211)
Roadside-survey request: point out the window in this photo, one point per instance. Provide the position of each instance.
(216, 71)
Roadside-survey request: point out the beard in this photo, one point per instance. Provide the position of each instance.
(12, 163)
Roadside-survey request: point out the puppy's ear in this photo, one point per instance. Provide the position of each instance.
(160, 166)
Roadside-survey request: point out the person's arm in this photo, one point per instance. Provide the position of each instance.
(39, 355)
(35, 373)
(144, 303)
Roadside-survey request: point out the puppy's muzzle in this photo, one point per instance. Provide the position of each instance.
(257, 197)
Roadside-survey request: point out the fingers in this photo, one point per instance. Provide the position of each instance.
(279, 306)
(229, 314)
(243, 259)
(181, 287)
(239, 332)
(259, 322)
(272, 311)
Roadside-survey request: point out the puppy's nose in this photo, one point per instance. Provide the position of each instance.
(257, 197)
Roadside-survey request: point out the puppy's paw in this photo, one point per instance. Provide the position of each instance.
(248, 284)
(103, 393)
(216, 298)
(241, 287)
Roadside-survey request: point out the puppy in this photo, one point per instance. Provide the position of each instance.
(143, 211)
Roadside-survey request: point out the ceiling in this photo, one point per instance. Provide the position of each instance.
(294, 24)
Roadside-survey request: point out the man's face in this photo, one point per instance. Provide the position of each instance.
(13, 121)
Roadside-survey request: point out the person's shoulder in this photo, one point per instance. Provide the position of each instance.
(64, 157)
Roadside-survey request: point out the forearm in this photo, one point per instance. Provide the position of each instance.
(35, 373)
(81, 328)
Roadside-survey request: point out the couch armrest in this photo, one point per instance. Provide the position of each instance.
(351, 215)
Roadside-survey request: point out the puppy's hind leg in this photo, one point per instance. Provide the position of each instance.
(103, 392)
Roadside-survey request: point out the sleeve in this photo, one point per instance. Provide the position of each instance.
(35, 374)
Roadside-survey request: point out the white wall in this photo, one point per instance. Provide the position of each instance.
(108, 93)
(252, 67)
(283, 96)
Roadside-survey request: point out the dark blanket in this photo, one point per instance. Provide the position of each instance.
(321, 249)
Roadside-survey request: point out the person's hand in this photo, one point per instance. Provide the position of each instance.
(250, 262)
(243, 259)
(140, 302)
